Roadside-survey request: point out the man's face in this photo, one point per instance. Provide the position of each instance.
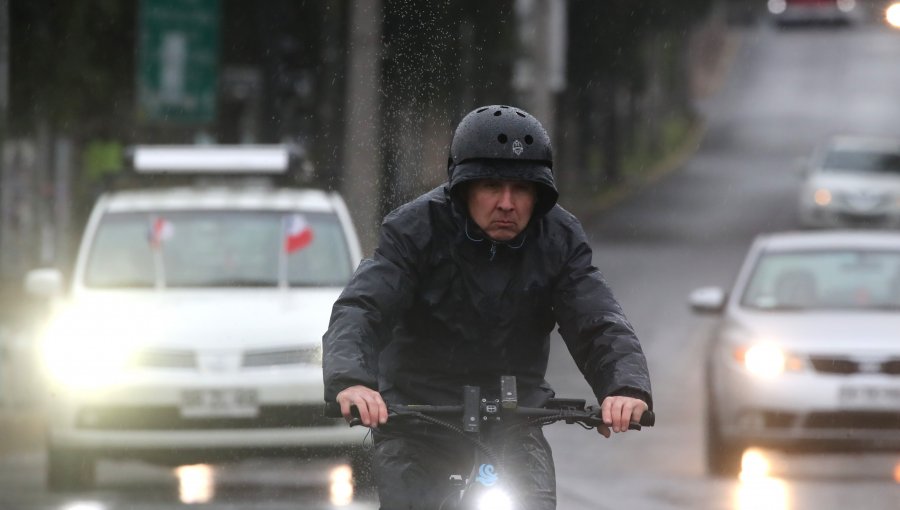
(501, 207)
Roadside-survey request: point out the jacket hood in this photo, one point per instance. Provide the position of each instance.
(534, 171)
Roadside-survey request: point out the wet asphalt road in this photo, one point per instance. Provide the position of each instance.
(785, 91)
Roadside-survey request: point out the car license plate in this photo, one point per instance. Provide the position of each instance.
(208, 403)
(870, 397)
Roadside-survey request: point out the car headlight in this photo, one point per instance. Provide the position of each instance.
(892, 15)
(766, 359)
(846, 5)
(822, 197)
(777, 6)
(86, 350)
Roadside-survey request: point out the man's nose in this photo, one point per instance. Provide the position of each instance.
(506, 198)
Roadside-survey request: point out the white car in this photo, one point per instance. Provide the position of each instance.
(191, 331)
(806, 350)
(852, 181)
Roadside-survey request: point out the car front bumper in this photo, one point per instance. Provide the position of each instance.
(147, 412)
(807, 410)
(835, 217)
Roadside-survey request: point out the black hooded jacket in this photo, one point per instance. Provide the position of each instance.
(440, 306)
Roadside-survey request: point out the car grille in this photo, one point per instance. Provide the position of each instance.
(854, 420)
(275, 357)
(778, 420)
(844, 366)
(166, 358)
(855, 220)
(169, 418)
(177, 358)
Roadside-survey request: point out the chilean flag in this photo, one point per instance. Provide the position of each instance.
(297, 233)
(160, 230)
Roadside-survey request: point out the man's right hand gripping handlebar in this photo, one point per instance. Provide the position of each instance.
(372, 409)
(620, 412)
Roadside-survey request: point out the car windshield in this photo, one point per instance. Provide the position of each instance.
(218, 248)
(846, 279)
(863, 161)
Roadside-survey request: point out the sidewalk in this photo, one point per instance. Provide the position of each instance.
(21, 416)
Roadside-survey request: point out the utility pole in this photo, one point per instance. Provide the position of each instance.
(362, 154)
(5, 185)
(541, 71)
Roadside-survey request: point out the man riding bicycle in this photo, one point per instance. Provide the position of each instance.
(466, 285)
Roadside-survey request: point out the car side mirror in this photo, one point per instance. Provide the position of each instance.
(44, 283)
(708, 300)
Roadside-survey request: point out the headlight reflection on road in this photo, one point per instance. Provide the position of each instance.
(897, 472)
(195, 483)
(84, 505)
(756, 489)
(341, 485)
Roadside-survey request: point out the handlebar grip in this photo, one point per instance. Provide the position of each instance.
(648, 419)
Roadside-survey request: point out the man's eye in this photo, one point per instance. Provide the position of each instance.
(524, 187)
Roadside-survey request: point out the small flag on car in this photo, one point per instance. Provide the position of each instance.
(297, 233)
(161, 230)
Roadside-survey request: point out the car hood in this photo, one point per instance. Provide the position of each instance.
(851, 182)
(829, 331)
(205, 319)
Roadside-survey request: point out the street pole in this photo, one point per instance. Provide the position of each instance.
(362, 154)
(543, 36)
(5, 185)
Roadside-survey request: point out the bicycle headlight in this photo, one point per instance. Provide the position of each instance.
(494, 498)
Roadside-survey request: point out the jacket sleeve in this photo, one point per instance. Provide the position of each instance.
(364, 313)
(599, 337)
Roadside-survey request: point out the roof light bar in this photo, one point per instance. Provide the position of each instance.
(212, 159)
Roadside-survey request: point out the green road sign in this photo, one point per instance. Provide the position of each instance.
(178, 59)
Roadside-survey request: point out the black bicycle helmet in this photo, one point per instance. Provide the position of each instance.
(502, 142)
(500, 132)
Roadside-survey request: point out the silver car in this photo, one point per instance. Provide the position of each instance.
(852, 181)
(805, 353)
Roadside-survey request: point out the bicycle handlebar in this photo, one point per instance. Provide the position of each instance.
(589, 416)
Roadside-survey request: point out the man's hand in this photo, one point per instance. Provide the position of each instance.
(372, 409)
(617, 412)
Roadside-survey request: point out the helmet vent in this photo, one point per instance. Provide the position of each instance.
(498, 113)
(520, 114)
(528, 139)
(501, 138)
(480, 110)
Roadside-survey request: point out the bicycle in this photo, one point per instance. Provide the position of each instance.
(482, 488)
